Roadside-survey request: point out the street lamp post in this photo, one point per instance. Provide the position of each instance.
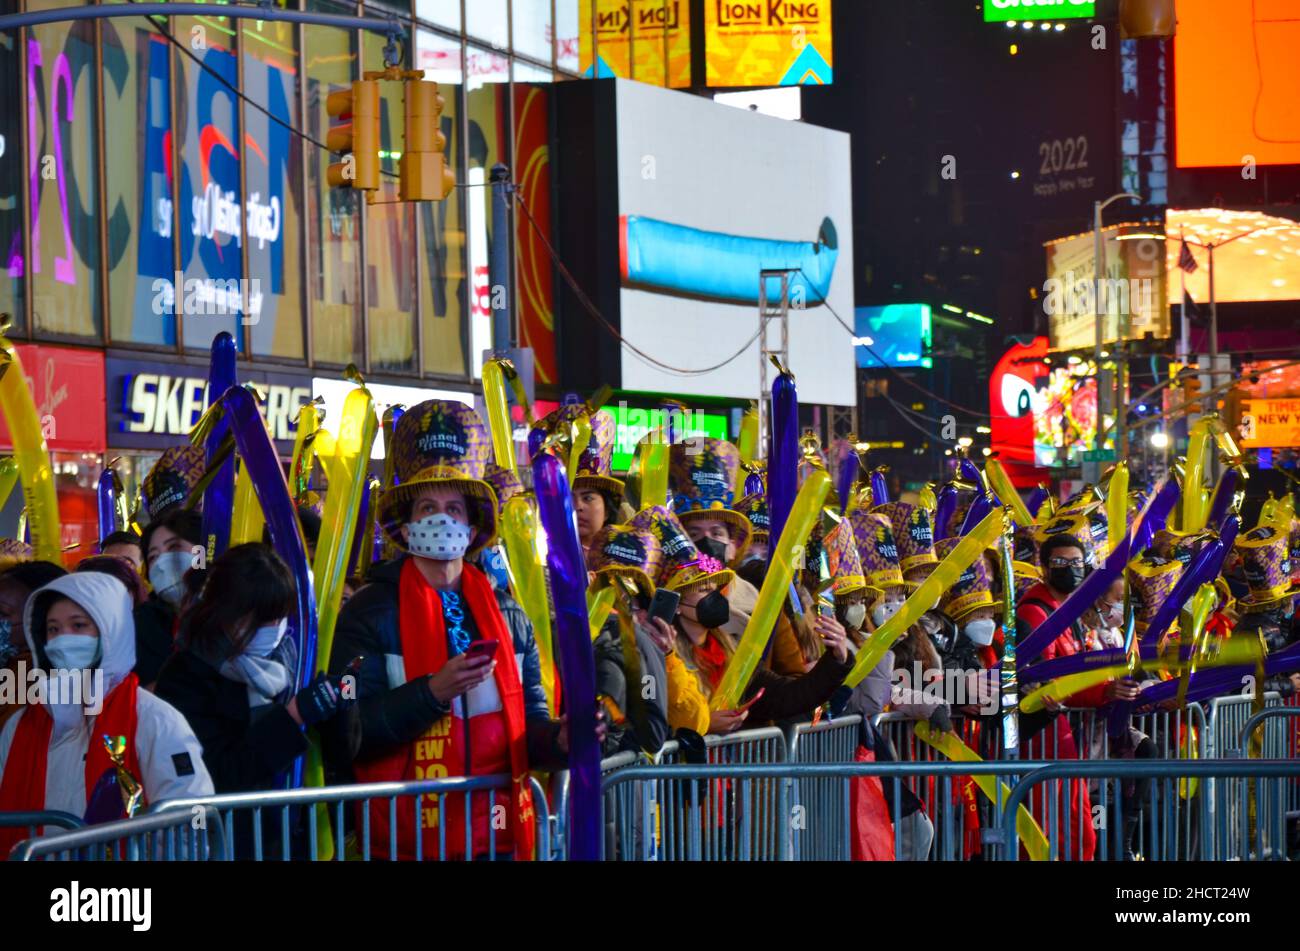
(1099, 271)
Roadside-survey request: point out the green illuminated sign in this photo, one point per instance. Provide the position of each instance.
(1000, 11)
(632, 424)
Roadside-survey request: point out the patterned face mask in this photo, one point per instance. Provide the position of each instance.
(438, 537)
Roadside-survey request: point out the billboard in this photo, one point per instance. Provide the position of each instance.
(633, 38)
(895, 335)
(1270, 423)
(335, 392)
(691, 245)
(1065, 415)
(1000, 11)
(1258, 258)
(1133, 287)
(67, 387)
(1235, 79)
(154, 404)
(768, 43)
(631, 425)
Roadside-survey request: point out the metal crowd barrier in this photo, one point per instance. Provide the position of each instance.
(669, 813)
(1228, 715)
(763, 745)
(965, 816)
(1228, 832)
(1234, 802)
(291, 818)
(822, 803)
(33, 822)
(191, 835)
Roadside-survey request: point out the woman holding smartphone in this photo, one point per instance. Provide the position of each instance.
(701, 649)
(234, 674)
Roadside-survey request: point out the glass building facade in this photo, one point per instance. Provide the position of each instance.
(164, 180)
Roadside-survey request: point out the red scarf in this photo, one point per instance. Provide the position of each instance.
(424, 651)
(714, 659)
(22, 788)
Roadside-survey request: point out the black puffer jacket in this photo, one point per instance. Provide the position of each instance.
(395, 714)
(154, 621)
(246, 752)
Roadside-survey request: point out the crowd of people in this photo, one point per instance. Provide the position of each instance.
(436, 670)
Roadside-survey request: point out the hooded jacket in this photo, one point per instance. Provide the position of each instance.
(170, 758)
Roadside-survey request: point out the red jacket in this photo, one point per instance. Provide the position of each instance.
(1034, 607)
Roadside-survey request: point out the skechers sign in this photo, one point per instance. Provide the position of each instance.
(999, 11)
(150, 404)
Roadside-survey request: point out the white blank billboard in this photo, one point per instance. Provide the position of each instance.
(713, 193)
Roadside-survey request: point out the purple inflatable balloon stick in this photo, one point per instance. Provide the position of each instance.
(945, 504)
(1157, 515)
(1203, 569)
(978, 511)
(847, 478)
(1036, 500)
(568, 575)
(219, 496)
(106, 504)
(1223, 493)
(783, 454)
(254, 446)
(879, 489)
(971, 473)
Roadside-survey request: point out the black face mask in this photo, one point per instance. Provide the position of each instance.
(1066, 579)
(713, 610)
(717, 550)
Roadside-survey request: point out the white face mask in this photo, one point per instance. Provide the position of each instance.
(854, 615)
(72, 651)
(1112, 614)
(266, 638)
(166, 575)
(980, 632)
(884, 611)
(439, 537)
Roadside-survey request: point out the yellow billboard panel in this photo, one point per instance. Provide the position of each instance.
(1133, 288)
(767, 42)
(1270, 423)
(632, 39)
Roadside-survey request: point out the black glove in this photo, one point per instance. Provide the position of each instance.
(320, 699)
(941, 719)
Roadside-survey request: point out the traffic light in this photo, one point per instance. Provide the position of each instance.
(359, 138)
(1146, 19)
(1192, 395)
(423, 165)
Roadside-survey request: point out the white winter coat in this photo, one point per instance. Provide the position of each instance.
(170, 757)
